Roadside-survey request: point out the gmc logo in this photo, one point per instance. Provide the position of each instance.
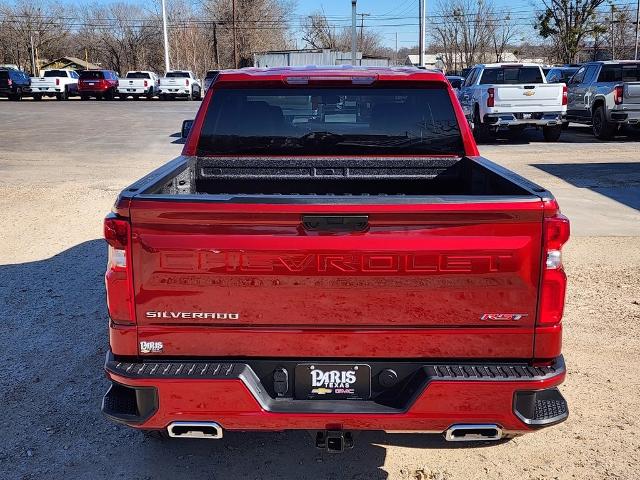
(329, 263)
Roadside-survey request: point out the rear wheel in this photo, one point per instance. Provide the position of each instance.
(552, 133)
(64, 95)
(150, 94)
(122, 96)
(17, 96)
(602, 129)
(84, 97)
(480, 130)
(37, 97)
(162, 97)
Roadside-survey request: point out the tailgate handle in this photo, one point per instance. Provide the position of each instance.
(529, 87)
(335, 223)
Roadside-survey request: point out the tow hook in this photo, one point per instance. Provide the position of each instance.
(334, 441)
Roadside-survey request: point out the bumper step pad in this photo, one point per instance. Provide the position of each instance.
(541, 408)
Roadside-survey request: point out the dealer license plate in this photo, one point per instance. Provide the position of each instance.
(321, 381)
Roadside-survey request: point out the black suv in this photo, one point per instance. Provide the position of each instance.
(13, 83)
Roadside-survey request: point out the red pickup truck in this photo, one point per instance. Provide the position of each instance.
(330, 253)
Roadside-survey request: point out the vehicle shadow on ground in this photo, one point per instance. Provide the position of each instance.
(53, 339)
(618, 181)
(574, 134)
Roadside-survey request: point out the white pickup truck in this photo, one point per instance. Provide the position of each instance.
(513, 96)
(138, 84)
(60, 83)
(180, 83)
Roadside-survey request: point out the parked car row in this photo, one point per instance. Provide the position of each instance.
(103, 84)
(509, 96)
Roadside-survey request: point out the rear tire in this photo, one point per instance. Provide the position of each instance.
(552, 133)
(64, 95)
(16, 97)
(480, 130)
(162, 97)
(122, 97)
(602, 129)
(37, 97)
(84, 97)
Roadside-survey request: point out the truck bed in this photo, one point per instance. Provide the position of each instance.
(291, 178)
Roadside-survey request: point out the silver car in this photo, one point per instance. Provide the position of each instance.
(605, 95)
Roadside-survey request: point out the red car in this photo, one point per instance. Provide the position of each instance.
(101, 84)
(330, 253)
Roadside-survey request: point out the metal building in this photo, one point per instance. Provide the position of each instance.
(299, 58)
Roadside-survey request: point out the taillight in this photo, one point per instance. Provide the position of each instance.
(57, 81)
(490, 97)
(187, 80)
(9, 82)
(565, 93)
(145, 83)
(118, 279)
(618, 93)
(554, 281)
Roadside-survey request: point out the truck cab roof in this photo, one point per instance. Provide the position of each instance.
(508, 64)
(294, 75)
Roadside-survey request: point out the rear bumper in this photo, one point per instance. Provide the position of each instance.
(516, 119)
(101, 91)
(517, 397)
(625, 115)
(135, 90)
(177, 91)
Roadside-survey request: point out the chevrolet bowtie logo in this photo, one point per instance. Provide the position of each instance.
(528, 93)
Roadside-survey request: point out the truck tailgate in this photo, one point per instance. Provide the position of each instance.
(539, 97)
(631, 93)
(423, 280)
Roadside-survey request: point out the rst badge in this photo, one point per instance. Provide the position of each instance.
(503, 317)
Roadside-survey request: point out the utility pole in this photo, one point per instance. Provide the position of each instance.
(215, 45)
(396, 59)
(613, 34)
(167, 67)
(423, 10)
(33, 58)
(637, 28)
(235, 46)
(362, 15)
(354, 60)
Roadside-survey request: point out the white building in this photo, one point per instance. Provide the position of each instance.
(300, 58)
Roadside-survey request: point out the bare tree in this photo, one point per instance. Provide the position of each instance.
(317, 32)
(260, 25)
(39, 20)
(469, 31)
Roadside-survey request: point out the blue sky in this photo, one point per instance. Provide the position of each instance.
(400, 16)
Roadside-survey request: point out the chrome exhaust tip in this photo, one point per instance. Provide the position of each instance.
(207, 430)
(473, 433)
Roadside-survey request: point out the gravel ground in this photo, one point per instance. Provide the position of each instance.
(61, 167)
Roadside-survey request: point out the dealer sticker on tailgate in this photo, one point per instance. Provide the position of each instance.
(332, 381)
